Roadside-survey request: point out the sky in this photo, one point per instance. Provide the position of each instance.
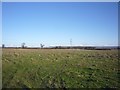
(54, 24)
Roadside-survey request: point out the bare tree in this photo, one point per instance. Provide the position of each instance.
(3, 45)
(23, 45)
(70, 43)
(41, 45)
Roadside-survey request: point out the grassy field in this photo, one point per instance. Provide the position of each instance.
(59, 68)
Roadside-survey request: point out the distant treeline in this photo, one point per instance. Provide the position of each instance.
(86, 47)
(71, 47)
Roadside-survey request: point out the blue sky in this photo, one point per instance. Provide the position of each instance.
(51, 23)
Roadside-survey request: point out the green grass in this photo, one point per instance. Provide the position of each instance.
(59, 68)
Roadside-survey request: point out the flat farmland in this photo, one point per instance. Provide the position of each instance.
(59, 68)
